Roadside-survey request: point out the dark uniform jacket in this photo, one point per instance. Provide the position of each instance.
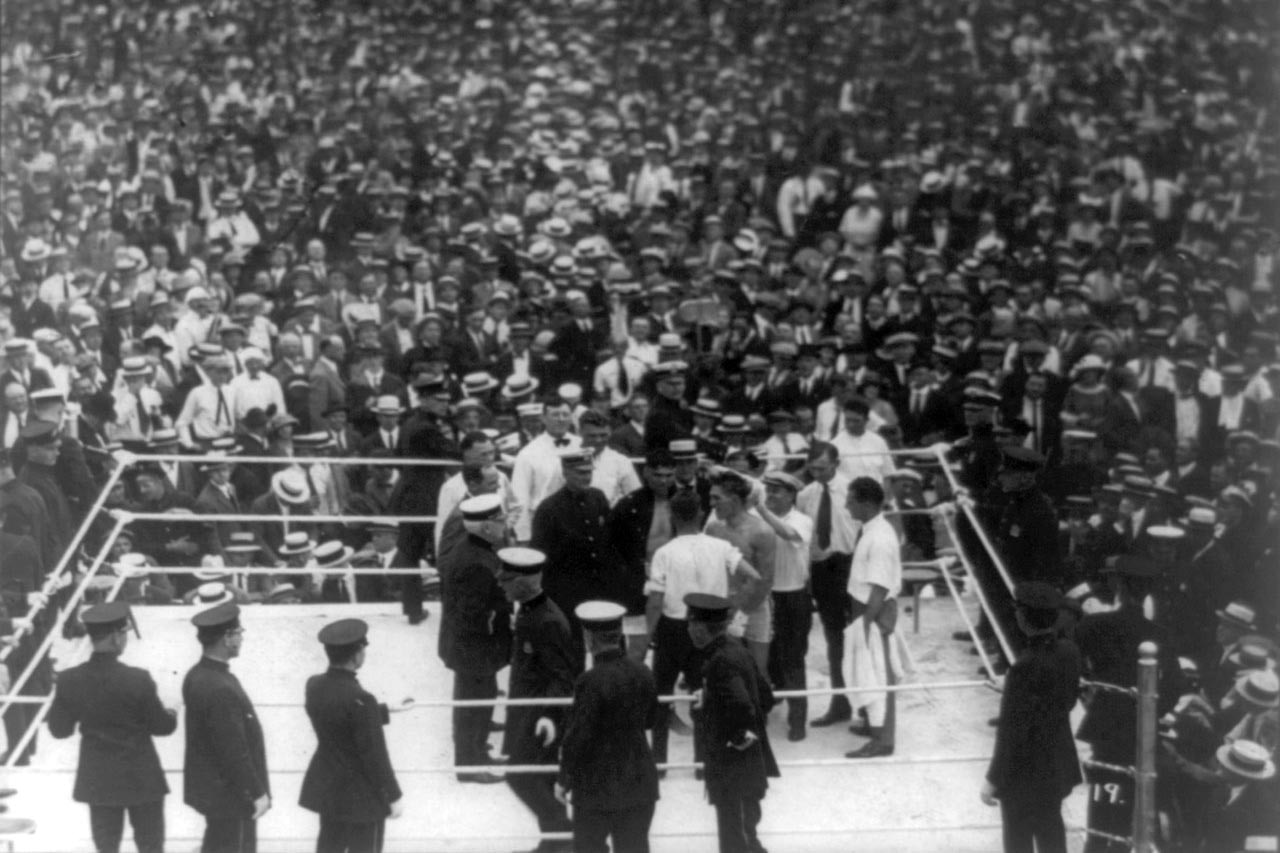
(43, 479)
(22, 572)
(118, 711)
(225, 768)
(1028, 537)
(543, 663)
(569, 527)
(735, 700)
(1035, 755)
(475, 618)
(349, 778)
(26, 515)
(605, 758)
(666, 422)
(1108, 644)
(628, 528)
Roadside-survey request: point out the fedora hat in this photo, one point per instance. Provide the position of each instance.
(290, 487)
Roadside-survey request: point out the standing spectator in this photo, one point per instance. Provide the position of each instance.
(537, 473)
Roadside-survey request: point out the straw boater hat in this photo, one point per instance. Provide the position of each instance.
(1247, 759)
(295, 543)
(1260, 688)
(332, 554)
(290, 487)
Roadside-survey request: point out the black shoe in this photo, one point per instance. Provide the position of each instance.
(861, 729)
(962, 636)
(418, 618)
(496, 727)
(481, 778)
(871, 749)
(833, 716)
(796, 732)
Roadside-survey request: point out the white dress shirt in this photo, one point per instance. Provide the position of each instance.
(250, 393)
(775, 449)
(791, 559)
(844, 530)
(206, 413)
(454, 491)
(614, 475)
(877, 559)
(535, 475)
(865, 455)
(694, 562)
(607, 379)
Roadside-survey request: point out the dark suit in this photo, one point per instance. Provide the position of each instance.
(735, 700)
(118, 712)
(211, 501)
(544, 664)
(605, 760)
(667, 421)
(225, 768)
(27, 318)
(349, 781)
(936, 417)
(475, 638)
(1034, 765)
(360, 394)
(576, 349)
(627, 440)
(37, 379)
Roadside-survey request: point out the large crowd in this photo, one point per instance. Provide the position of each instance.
(592, 257)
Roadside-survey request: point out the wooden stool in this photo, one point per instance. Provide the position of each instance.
(10, 826)
(915, 579)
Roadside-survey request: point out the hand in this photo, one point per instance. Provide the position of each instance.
(988, 794)
(397, 809)
(697, 700)
(545, 730)
(563, 796)
(405, 704)
(748, 739)
(20, 623)
(261, 806)
(37, 599)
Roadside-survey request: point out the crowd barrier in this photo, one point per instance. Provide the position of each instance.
(1143, 772)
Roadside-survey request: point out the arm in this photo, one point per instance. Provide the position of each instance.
(785, 532)
(186, 417)
(233, 755)
(522, 487)
(63, 713)
(653, 610)
(734, 701)
(368, 718)
(581, 721)
(158, 719)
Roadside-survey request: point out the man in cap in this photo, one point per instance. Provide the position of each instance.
(1109, 647)
(735, 702)
(118, 712)
(569, 527)
(545, 663)
(1034, 765)
(224, 772)
(1026, 535)
(475, 627)
(607, 772)
(349, 781)
(41, 442)
(668, 419)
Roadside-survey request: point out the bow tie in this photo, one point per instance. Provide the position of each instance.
(562, 442)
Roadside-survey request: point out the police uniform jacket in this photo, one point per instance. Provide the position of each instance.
(605, 758)
(475, 618)
(1108, 644)
(118, 711)
(569, 527)
(22, 572)
(544, 663)
(44, 480)
(666, 423)
(349, 778)
(1035, 755)
(225, 768)
(1028, 536)
(735, 700)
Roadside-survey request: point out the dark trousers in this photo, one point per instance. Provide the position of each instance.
(673, 654)
(1032, 826)
(829, 580)
(411, 595)
(340, 836)
(471, 725)
(229, 833)
(736, 822)
(537, 792)
(147, 819)
(629, 829)
(792, 619)
(16, 722)
(1110, 805)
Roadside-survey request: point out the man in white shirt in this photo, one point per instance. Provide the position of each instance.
(792, 606)
(194, 327)
(255, 388)
(875, 580)
(478, 451)
(652, 179)
(691, 562)
(612, 473)
(618, 377)
(232, 224)
(862, 453)
(537, 470)
(830, 551)
(206, 413)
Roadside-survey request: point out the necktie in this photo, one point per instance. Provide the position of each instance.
(917, 401)
(824, 518)
(223, 415)
(388, 439)
(1036, 420)
(624, 381)
(143, 425)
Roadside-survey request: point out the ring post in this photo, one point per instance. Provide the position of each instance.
(1144, 806)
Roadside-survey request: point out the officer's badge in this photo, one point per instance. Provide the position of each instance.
(1015, 531)
(528, 648)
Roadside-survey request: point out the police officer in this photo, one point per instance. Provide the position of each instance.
(1035, 764)
(475, 628)
(119, 712)
(224, 775)
(1109, 644)
(349, 781)
(607, 770)
(669, 419)
(735, 744)
(544, 664)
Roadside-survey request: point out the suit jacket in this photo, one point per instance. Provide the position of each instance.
(736, 699)
(350, 777)
(37, 379)
(225, 768)
(576, 349)
(627, 440)
(25, 514)
(469, 357)
(327, 389)
(937, 416)
(1035, 757)
(605, 759)
(27, 318)
(360, 394)
(628, 529)
(475, 618)
(211, 501)
(118, 712)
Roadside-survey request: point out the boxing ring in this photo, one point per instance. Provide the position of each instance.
(424, 778)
